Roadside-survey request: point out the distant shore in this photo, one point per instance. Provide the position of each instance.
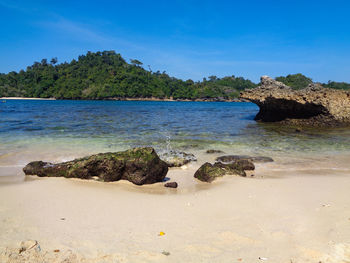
(23, 98)
(135, 99)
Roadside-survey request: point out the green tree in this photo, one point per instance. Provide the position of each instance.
(296, 81)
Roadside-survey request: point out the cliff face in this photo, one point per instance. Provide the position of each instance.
(314, 105)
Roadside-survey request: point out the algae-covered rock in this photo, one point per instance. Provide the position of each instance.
(209, 172)
(177, 159)
(246, 165)
(139, 166)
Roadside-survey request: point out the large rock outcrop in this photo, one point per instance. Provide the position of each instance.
(314, 105)
(139, 166)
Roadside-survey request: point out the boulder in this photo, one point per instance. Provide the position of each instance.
(235, 158)
(138, 165)
(312, 106)
(177, 158)
(209, 172)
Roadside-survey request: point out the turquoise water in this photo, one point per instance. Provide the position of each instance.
(58, 130)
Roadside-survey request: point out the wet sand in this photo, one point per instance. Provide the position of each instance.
(292, 210)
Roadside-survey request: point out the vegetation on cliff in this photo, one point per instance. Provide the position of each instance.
(106, 74)
(299, 81)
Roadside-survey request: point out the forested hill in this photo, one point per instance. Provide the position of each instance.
(104, 75)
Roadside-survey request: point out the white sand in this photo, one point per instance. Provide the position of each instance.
(285, 213)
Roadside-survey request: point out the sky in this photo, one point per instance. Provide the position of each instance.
(187, 39)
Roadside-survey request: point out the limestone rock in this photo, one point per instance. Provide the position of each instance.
(312, 106)
(139, 166)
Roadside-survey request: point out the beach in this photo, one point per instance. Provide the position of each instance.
(285, 213)
(295, 209)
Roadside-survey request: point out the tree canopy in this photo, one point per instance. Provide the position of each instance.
(104, 75)
(296, 81)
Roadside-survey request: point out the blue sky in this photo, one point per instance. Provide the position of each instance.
(187, 39)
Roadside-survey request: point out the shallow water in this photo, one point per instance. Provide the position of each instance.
(62, 130)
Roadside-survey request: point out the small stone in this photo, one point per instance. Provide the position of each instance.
(171, 185)
(214, 151)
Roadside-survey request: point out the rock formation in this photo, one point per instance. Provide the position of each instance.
(139, 166)
(313, 106)
(209, 172)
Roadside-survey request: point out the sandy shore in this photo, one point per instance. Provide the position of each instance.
(287, 212)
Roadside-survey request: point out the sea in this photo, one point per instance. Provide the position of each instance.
(61, 130)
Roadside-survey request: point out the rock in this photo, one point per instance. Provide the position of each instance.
(214, 151)
(234, 158)
(246, 165)
(209, 172)
(177, 159)
(312, 106)
(171, 184)
(139, 166)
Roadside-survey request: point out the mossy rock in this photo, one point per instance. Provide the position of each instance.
(209, 172)
(138, 165)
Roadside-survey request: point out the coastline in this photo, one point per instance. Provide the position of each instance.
(24, 98)
(134, 99)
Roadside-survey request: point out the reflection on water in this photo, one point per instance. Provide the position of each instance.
(62, 130)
